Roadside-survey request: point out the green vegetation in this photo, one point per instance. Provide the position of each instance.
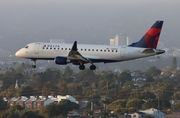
(121, 94)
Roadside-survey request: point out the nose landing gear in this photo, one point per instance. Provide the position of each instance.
(34, 64)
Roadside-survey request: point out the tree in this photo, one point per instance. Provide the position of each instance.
(62, 86)
(166, 91)
(124, 76)
(13, 112)
(67, 71)
(9, 92)
(136, 103)
(176, 106)
(153, 103)
(118, 104)
(30, 114)
(149, 78)
(128, 85)
(68, 105)
(25, 91)
(147, 95)
(3, 104)
(153, 71)
(51, 110)
(174, 64)
(150, 104)
(49, 88)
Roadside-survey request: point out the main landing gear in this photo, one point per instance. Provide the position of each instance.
(34, 64)
(82, 67)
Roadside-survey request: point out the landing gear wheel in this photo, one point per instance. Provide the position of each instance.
(93, 67)
(33, 66)
(34, 63)
(81, 67)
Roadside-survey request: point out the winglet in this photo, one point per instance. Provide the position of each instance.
(151, 37)
(74, 47)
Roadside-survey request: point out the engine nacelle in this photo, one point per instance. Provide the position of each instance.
(61, 60)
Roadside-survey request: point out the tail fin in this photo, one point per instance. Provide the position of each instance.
(151, 37)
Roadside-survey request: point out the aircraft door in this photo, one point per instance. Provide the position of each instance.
(122, 52)
(36, 48)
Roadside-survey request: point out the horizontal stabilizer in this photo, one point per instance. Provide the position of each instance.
(148, 50)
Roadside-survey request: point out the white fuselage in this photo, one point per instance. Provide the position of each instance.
(96, 53)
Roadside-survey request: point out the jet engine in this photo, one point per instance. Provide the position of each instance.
(61, 60)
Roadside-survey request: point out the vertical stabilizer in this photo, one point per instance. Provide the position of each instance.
(151, 37)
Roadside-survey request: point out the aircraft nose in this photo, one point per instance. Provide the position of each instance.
(17, 54)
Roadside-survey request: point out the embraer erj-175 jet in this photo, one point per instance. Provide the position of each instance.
(80, 54)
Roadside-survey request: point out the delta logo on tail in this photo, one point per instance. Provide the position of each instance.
(151, 37)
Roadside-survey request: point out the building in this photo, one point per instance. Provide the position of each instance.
(119, 40)
(16, 85)
(112, 42)
(154, 112)
(38, 102)
(22, 101)
(115, 41)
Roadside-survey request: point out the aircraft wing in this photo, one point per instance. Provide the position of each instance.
(75, 55)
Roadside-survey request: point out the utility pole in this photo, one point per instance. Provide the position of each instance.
(158, 94)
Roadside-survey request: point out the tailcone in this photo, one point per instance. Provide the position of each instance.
(158, 51)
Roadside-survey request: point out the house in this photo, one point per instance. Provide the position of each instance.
(22, 101)
(154, 112)
(13, 101)
(38, 102)
(30, 103)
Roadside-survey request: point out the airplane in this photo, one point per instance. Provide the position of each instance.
(80, 54)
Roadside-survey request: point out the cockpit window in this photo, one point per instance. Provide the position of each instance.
(26, 46)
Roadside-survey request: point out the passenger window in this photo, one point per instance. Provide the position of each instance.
(61, 48)
(81, 49)
(101, 50)
(89, 49)
(92, 49)
(84, 49)
(108, 50)
(104, 50)
(112, 50)
(96, 49)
